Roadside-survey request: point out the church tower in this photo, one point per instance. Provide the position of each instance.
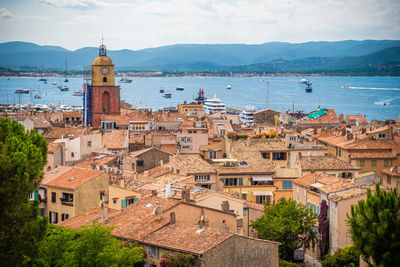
(101, 96)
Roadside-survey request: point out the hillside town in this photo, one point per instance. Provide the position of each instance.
(192, 180)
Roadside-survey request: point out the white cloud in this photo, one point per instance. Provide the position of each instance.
(5, 14)
(80, 4)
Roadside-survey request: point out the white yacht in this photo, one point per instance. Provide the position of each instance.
(247, 115)
(303, 80)
(214, 105)
(125, 79)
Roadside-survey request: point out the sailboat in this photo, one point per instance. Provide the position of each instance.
(65, 72)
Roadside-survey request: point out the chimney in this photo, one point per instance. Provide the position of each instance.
(154, 193)
(168, 189)
(186, 195)
(94, 164)
(225, 205)
(104, 206)
(349, 136)
(172, 218)
(315, 131)
(224, 229)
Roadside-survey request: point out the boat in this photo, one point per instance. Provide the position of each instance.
(200, 98)
(54, 83)
(345, 86)
(308, 87)
(37, 96)
(22, 91)
(78, 92)
(59, 87)
(65, 72)
(42, 80)
(45, 82)
(162, 90)
(64, 88)
(228, 87)
(303, 80)
(66, 80)
(214, 105)
(180, 88)
(167, 94)
(247, 115)
(125, 80)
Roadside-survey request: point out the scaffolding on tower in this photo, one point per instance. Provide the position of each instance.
(87, 95)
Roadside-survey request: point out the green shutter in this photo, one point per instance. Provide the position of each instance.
(36, 194)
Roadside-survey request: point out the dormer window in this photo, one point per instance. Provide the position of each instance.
(104, 79)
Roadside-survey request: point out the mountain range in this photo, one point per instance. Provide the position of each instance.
(272, 57)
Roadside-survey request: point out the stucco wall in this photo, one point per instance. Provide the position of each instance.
(88, 195)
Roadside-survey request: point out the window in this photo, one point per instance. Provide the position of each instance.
(266, 155)
(286, 185)
(64, 216)
(318, 210)
(233, 181)
(53, 217)
(153, 252)
(386, 163)
(362, 163)
(278, 155)
(389, 179)
(212, 154)
(130, 201)
(89, 143)
(381, 136)
(185, 147)
(373, 163)
(139, 163)
(202, 178)
(53, 197)
(106, 101)
(32, 196)
(114, 201)
(67, 198)
(263, 200)
(72, 154)
(104, 79)
(244, 196)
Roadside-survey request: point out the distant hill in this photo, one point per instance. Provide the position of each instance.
(271, 56)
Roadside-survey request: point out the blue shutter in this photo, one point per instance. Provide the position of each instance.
(123, 203)
(135, 199)
(318, 210)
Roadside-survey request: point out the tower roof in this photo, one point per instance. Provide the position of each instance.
(102, 60)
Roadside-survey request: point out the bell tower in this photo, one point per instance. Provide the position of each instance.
(101, 96)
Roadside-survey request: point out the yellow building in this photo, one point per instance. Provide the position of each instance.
(120, 197)
(185, 108)
(71, 190)
(103, 69)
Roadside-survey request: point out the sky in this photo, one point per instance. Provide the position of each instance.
(138, 24)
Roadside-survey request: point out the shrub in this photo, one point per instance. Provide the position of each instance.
(346, 257)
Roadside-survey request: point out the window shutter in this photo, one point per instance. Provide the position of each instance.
(36, 194)
(136, 199)
(123, 203)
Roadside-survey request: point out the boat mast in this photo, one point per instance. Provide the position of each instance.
(267, 94)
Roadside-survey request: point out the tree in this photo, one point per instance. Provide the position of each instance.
(375, 227)
(88, 246)
(290, 223)
(323, 229)
(346, 257)
(22, 158)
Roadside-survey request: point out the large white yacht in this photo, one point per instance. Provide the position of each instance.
(214, 105)
(247, 115)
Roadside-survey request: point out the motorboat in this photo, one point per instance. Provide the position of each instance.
(162, 90)
(214, 105)
(22, 91)
(42, 80)
(180, 88)
(125, 80)
(54, 83)
(228, 87)
(308, 87)
(345, 86)
(37, 96)
(66, 80)
(78, 93)
(64, 88)
(167, 94)
(303, 80)
(247, 115)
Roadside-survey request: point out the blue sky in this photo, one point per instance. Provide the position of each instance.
(138, 24)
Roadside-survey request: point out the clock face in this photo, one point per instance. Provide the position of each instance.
(105, 71)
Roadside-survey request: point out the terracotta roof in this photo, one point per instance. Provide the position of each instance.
(324, 163)
(391, 171)
(255, 206)
(133, 222)
(192, 164)
(185, 237)
(99, 161)
(114, 139)
(361, 118)
(329, 118)
(373, 144)
(366, 174)
(287, 172)
(40, 122)
(348, 194)
(378, 130)
(127, 116)
(69, 177)
(307, 180)
(340, 185)
(51, 147)
(63, 132)
(373, 155)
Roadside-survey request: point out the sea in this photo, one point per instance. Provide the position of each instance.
(378, 98)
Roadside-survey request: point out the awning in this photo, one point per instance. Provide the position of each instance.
(262, 178)
(317, 185)
(262, 193)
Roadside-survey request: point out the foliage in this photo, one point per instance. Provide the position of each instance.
(88, 246)
(375, 227)
(283, 263)
(323, 229)
(22, 158)
(176, 260)
(290, 223)
(346, 257)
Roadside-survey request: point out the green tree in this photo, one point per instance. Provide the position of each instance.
(375, 227)
(346, 257)
(22, 158)
(88, 246)
(290, 223)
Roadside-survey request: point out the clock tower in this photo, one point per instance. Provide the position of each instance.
(101, 95)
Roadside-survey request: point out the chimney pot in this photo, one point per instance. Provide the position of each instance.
(154, 193)
(172, 218)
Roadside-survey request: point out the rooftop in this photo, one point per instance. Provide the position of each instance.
(324, 163)
(192, 164)
(115, 139)
(69, 177)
